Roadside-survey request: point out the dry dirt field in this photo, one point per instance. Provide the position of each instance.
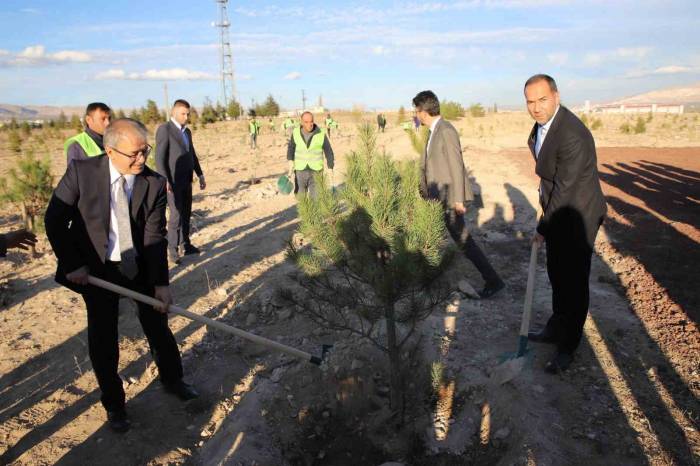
(631, 397)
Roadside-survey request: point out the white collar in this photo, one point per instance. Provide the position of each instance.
(434, 123)
(546, 126)
(178, 125)
(114, 176)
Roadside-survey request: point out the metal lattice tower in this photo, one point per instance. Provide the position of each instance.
(228, 84)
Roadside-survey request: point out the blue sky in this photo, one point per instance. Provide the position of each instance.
(378, 54)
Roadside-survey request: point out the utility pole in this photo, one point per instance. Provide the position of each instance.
(228, 84)
(303, 100)
(165, 91)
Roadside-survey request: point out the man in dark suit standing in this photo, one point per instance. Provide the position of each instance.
(444, 178)
(175, 160)
(573, 208)
(106, 218)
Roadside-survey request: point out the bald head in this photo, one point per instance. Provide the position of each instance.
(307, 121)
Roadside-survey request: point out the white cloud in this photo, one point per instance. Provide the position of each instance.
(294, 75)
(625, 54)
(31, 11)
(243, 77)
(558, 59)
(169, 74)
(380, 50)
(111, 74)
(663, 70)
(36, 55)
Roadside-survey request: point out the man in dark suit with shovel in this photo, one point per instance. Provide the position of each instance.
(106, 218)
(573, 208)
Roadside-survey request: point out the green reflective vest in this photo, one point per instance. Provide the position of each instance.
(312, 156)
(88, 145)
(288, 123)
(253, 127)
(331, 123)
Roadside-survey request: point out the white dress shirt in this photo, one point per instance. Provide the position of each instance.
(542, 133)
(113, 252)
(432, 131)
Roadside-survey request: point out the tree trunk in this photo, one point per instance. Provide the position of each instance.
(397, 395)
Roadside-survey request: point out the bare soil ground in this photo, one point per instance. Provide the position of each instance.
(630, 398)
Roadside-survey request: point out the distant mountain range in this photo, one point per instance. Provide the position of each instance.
(36, 112)
(675, 95)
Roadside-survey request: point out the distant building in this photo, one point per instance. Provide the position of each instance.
(632, 108)
(298, 111)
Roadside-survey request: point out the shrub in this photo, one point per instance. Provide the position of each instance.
(625, 128)
(640, 126)
(451, 110)
(477, 111)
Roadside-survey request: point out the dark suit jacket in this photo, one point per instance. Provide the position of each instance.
(567, 166)
(77, 222)
(174, 161)
(443, 175)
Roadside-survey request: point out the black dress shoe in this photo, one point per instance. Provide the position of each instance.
(543, 336)
(559, 363)
(491, 289)
(118, 421)
(182, 390)
(189, 250)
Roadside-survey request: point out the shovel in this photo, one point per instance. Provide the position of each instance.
(297, 353)
(514, 362)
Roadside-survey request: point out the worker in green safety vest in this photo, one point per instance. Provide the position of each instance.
(253, 130)
(288, 126)
(305, 153)
(330, 124)
(89, 142)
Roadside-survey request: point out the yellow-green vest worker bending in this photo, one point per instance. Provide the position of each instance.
(305, 153)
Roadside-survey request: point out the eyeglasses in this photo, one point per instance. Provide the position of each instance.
(142, 153)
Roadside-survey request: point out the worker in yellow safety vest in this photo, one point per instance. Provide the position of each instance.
(89, 142)
(305, 153)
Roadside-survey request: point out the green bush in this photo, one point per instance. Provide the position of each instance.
(596, 124)
(641, 126)
(451, 110)
(477, 111)
(625, 128)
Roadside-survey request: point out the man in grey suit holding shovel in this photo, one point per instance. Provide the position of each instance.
(444, 178)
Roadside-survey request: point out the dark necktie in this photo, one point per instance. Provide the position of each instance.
(126, 245)
(184, 139)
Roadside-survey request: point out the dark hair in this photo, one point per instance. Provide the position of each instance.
(427, 101)
(181, 103)
(97, 106)
(542, 77)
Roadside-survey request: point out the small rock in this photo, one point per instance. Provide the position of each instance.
(284, 314)
(538, 388)
(466, 288)
(356, 364)
(382, 390)
(326, 414)
(99, 440)
(502, 433)
(204, 433)
(200, 443)
(277, 374)
(221, 291)
(190, 427)
(251, 319)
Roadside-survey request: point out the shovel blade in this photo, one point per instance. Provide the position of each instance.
(507, 371)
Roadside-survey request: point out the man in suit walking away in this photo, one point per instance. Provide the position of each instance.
(106, 218)
(444, 178)
(89, 142)
(573, 208)
(176, 159)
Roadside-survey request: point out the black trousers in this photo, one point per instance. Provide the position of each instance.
(569, 267)
(457, 227)
(180, 206)
(103, 339)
